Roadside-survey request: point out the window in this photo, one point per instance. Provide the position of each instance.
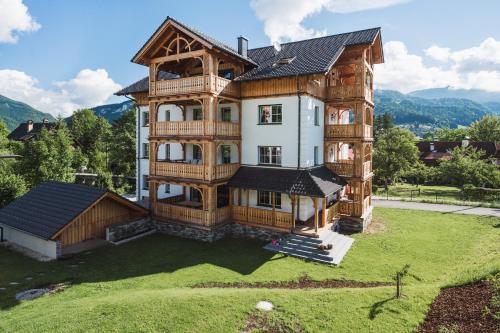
(197, 114)
(264, 198)
(316, 155)
(270, 155)
(226, 154)
(270, 114)
(167, 188)
(145, 118)
(145, 150)
(167, 151)
(197, 154)
(316, 115)
(225, 114)
(145, 184)
(167, 115)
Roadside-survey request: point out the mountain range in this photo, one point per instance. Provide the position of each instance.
(419, 111)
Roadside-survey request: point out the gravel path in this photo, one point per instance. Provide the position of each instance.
(455, 209)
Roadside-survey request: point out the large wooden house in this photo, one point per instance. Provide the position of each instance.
(277, 138)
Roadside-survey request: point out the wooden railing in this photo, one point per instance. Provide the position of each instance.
(332, 212)
(264, 217)
(348, 131)
(343, 168)
(194, 171)
(196, 128)
(349, 91)
(354, 208)
(223, 214)
(223, 171)
(194, 84)
(183, 214)
(346, 207)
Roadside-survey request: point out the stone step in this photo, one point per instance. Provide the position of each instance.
(294, 252)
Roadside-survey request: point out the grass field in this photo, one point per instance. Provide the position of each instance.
(145, 285)
(431, 194)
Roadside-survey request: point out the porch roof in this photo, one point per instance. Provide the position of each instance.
(313, 182)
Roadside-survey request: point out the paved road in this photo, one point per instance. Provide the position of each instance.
(437, 207)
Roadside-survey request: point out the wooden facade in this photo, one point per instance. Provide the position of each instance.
(93, 221)
(347, 85)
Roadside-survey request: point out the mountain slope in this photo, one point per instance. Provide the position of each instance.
(12, 113)
(112, 111)
(476, 95)
(422, 114)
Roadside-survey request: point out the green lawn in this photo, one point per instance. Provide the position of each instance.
(431, 194)
(144, 285)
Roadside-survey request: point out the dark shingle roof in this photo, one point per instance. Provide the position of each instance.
(311, 56)
(315, 182)
(489, 148)
(143, 85)
(49, 207)
(21, 132)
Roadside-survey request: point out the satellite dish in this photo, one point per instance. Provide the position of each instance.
(277, 46)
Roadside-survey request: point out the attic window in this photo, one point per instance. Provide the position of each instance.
(284, 61)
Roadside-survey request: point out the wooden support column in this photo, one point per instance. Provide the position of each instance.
(323, 215)
(316, 213)
(273, 200)
(239, 197)
(153, 193)
(292, 199)
(248, 201)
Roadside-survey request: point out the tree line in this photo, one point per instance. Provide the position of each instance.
(396, 155)
(84, 142)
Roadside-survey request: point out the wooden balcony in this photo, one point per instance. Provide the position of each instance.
(354, 208)
(348, 92)
(193, 85)
(262, 217)
(347, 168)
(191, 215)
(194, 171)
(348, 131)
(196, 128)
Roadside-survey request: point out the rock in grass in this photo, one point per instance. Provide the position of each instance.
(264, 306)
(30, 294)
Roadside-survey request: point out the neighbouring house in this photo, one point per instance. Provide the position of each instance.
(28, 130)
(248, 141)
(432, 152)
(54, 217)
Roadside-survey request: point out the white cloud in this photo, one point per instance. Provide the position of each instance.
(283, 18)
(15, 18)
(89, 88)
(472, 68)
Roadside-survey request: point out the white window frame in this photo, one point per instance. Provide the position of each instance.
(145, 118)
(263, 195)
(274, 114)
(272, 153)
(145, 150)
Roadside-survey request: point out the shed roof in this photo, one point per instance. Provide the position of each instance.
(50, 206)
(314, 182)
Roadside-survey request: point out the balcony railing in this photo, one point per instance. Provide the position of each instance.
(194, 84)
(191, 215)
(349, 92)
(348, 131)
(347, 168)
(194, 171)
(354, 208)
(263, 217)
(196, 128)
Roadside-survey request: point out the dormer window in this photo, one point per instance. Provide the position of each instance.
(284, 61)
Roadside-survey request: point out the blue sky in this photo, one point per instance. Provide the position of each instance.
(71, 36)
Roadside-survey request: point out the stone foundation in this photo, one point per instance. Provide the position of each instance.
(352, 225)
(233, 230)
(123, 231)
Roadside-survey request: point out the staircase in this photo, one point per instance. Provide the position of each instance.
(307, 247)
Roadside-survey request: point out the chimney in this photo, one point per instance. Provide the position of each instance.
(242, 46)
(29, 125)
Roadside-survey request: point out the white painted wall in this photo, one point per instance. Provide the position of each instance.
(143, 163)
(47, 248)
(311, 135)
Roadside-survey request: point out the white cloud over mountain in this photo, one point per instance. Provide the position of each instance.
(89, 88)
(283, 18)
(15, 19)
(477, 67)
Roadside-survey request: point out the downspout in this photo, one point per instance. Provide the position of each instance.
(138, 149)
(299, 107)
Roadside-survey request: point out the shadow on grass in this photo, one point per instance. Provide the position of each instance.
(146, 256)
(377, 308)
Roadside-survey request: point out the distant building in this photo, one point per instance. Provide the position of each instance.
(432, 152)
(28, 130)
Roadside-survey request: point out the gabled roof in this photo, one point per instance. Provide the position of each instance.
(310, 56)
(315, 182)
(20, 133)
(211, 42)
(490, 149)
(50, 206)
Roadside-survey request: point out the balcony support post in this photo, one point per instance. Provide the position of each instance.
(316, 213)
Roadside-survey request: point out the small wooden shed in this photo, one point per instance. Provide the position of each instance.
(55, 215)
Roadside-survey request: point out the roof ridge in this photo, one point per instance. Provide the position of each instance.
(315, 38)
